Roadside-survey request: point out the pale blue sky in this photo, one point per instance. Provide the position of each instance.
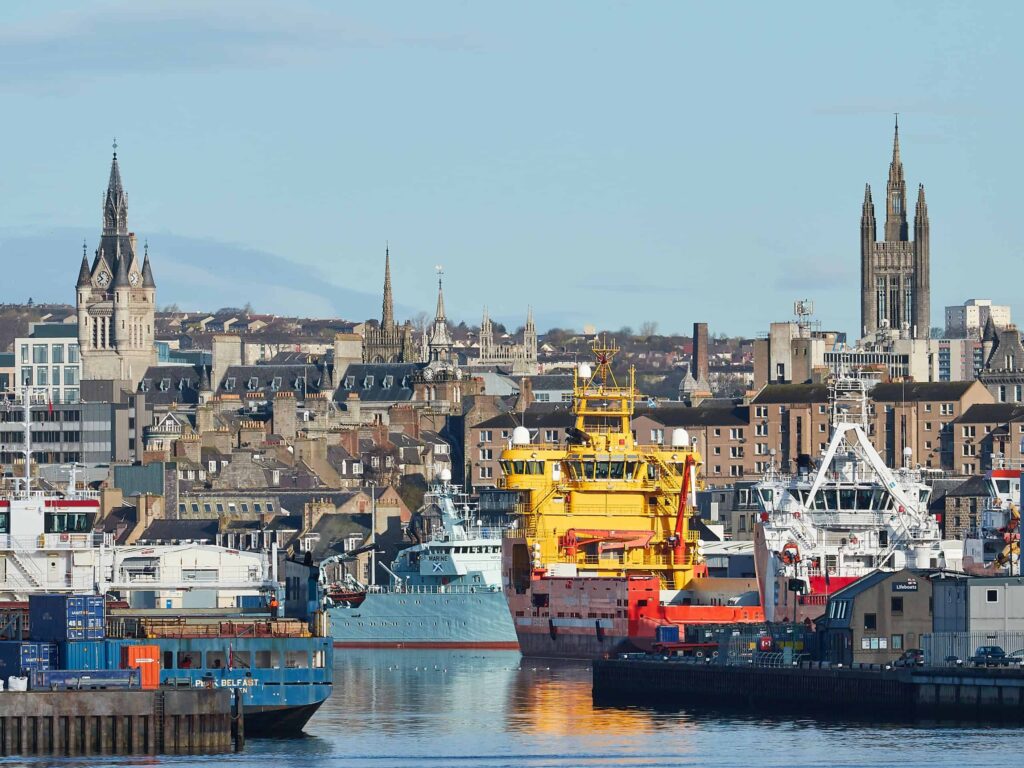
(607, 162)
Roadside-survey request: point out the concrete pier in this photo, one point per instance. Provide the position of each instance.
(855, 693)
(115, 722)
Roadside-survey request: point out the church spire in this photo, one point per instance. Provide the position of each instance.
(896, 195)
(439, 314)
(115, 203)
(84, 274)
(147, 271)
(387, 321)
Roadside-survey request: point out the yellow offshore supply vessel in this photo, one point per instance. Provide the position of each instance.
(604, 557)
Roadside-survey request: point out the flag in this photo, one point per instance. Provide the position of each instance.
(826, 579)
(49, 404)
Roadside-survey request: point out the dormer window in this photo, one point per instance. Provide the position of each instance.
(229, 383)
(276, 383)
(405, 382)
(182, 383)
(145, 386)
(367, 382)
(253, 383)
(350, 381)
(389, 382)
(165, 385)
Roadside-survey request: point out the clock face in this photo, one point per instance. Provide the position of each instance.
(133, 278)
(103, 278)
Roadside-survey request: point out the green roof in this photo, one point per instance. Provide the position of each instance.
(55, 331)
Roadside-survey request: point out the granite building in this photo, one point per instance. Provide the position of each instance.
(389, 343)
(116, 297)
(894, 272)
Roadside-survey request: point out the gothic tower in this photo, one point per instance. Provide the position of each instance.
(388, 343)
(894, 273)
(440, 340)
(116, 297)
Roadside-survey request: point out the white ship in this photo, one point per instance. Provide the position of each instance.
(445, 591)
(992, 547)
(48, 544)
(827, 526)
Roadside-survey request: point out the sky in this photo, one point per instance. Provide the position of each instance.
(608, 163)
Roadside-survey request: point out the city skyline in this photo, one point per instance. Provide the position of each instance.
(533, 171)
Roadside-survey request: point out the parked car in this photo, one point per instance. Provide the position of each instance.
(912, 657)
(992, 656)
(954, 660)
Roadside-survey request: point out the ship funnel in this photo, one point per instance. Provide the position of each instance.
(585, 372)
(680, 438)
(520, 436)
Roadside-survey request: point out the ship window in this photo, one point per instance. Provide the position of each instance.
(5, 522)
(574, 469)
(264, 659)
(296, 659)
(847, 498)
(216, 660)
(535, 467)
(617, 470)
(506, 467)
(588, 470)
(863, 498)
(602, 470)
(63, 522)
(830, 500)
(631, 467)
(241, 660)
(652, 472)
(519, 467)
(877, 498)
(818, 502)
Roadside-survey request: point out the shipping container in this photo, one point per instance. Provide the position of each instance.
(252, 602)
(18, 658)
(667, 633)
(59, 679)
(83, 654)
(53, 618)
(145, 658)
(95, 617)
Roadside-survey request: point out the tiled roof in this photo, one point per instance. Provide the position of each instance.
(920, 391)
(991, 413)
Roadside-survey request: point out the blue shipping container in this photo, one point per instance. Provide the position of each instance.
(56, 680)
(252, 602)
(667, 633)
(18, 658)
(54, 618)
(83, 654)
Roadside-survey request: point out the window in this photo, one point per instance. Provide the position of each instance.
(761, 430)
(736, 470)
(968, 431)
(24, 354)
(761, 449)
(735, 434)
(388, 382)
(821, 427)
(946, 409)
(991, 595)
(72, 353)
(505, 435)
(718, 432)
(486, 473)
(760, 411)
(357, 468)
(821, 409)
(897, 642)
(367, 382)
(927, 426)
(229, 383)
(718, 469)
(567, 397)
(550, 435)
(42, 375)
(542, 397)
(927, 407)
(485, 435)
(40, 354)
(57, 353)
(254, 382)
(736, 451)
(970, 449)
(657, 436)
(486, 454)
(717, 450)
(896, 605)
(275, 383)
(870, 621)
(350, 381)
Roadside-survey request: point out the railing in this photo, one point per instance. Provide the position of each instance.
(163, 575)
(472, 532)
(429, 589)
(49, 496)
(55, 541)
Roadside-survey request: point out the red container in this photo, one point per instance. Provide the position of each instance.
(146, 659)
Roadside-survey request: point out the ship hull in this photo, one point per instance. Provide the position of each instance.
(467, 619)
(278, 721)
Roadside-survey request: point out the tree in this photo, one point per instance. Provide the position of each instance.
(625, 332)
(420, 320)
(648, 328)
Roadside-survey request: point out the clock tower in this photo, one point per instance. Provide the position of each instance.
(116, 297)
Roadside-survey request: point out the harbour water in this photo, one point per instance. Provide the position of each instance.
(393, 709)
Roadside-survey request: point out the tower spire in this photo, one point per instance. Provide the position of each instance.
(84, 275)
(439, 314)
(115, 203)
(387, 320)
(896, 195)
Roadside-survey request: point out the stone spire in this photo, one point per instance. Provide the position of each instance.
(84, 274)
(115, 203)
(896, 195)
(121, 268)
(387, 321)
(439, 313)
(440, 339)
(147, 271)
(921, 214)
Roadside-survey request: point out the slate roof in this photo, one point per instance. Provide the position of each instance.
(546, 382)
(991, 413)
(792, 393)
(267, 379)
(166, 384)
(531, 419)
(378, 382)
(181, 530)
(920, 391)
(684, 416)
(975, 485)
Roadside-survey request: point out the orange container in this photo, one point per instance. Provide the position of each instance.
(146, 659)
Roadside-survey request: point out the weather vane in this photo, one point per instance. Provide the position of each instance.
(115, 144)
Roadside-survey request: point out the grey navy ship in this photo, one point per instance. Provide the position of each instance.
(444, 592)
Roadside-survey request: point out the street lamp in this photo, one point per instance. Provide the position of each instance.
(373, 534)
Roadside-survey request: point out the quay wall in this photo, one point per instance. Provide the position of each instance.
(836, 692)
(98, 722)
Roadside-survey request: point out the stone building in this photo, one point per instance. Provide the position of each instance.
(1003, 371)
(519, 359)
(388, 342)
(116, 297)
(894, 272)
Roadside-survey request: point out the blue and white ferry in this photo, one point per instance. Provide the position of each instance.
(445, 592)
